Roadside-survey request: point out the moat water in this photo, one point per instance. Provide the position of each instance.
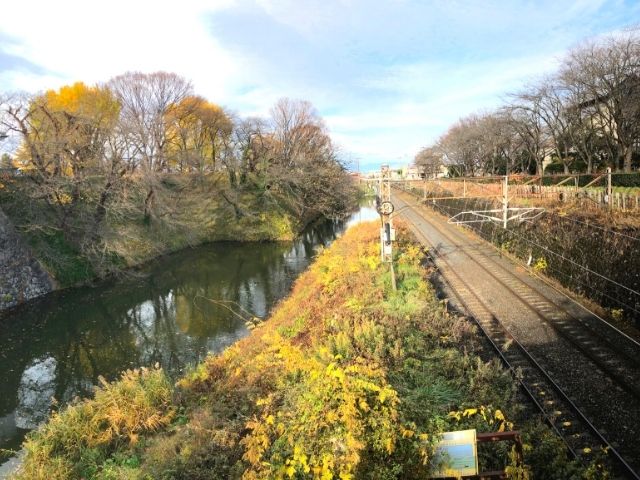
(174, 311)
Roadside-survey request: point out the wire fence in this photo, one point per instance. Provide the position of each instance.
(595, 260)
(615, 191)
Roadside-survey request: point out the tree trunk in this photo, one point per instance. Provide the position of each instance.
(628, 155)
(589, 164)
(101, 209)
(148, 204)
(236, 209)
(232, 177)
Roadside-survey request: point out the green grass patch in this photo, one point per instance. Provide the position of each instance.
(63, 260)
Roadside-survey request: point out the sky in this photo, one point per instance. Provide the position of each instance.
(387, 76)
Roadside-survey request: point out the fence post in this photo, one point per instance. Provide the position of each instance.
(609, 199)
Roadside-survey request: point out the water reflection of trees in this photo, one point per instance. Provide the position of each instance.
(173, 314)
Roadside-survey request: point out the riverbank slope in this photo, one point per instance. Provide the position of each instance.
(346, 379)
(188, 211)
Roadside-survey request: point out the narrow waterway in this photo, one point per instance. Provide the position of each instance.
(173, 312)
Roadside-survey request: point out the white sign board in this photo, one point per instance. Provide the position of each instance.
(456, 454)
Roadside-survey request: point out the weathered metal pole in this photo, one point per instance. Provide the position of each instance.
(387, 232)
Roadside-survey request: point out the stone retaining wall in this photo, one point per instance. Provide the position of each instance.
(21, 276)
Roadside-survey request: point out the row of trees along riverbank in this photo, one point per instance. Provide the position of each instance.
(584, 117)
(113, 174)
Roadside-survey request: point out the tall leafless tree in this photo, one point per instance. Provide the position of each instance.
(604, 78)
(146, 101)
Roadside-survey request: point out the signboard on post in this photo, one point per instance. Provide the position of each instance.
(456, 455)
(387, 235)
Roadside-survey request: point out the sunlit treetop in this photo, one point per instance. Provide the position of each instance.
(93, 103)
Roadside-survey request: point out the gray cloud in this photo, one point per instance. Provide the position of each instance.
(10, 62)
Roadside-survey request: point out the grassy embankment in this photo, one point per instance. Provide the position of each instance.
(346, 379)
(189, 210)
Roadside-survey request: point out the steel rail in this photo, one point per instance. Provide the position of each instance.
(605, 323)
(633, 358)
(592, 430)
(583, 347)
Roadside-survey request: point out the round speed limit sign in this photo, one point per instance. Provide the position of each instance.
(386, 208)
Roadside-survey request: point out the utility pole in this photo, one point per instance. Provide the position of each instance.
(505, 201)
(424, 184)
(387, 232)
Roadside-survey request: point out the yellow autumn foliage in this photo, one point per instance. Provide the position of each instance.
(325, 401)
(139, 403)
(66, 127)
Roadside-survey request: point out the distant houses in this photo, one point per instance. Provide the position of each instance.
(410, 172)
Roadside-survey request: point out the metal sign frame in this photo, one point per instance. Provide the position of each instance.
(519, 214)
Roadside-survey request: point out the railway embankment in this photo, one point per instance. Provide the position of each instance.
(592, 253)
(579, 369)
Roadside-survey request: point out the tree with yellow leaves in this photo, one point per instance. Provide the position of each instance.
(64, 136)
(197, 132)
(66, 129)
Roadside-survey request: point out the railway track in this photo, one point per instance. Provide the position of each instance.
(604, 347)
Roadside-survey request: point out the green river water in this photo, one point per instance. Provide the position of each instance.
(174, 311)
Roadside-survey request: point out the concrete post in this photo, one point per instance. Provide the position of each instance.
(505, 201)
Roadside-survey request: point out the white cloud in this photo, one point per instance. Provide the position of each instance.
(24, 80)
(80, 40)
(428, 98)
(390, 76)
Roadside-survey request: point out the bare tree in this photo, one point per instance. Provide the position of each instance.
(475, 144)
(146, 102)
(254, 148)
(604, 77)
(568, 124)
(526, 121)
(459, 147)
(429, 160)
(304, 163)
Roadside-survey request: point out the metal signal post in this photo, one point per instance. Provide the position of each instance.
(387, 232)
